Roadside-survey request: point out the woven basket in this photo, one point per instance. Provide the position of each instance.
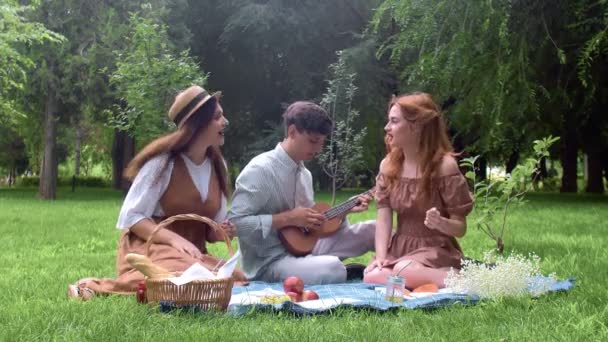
(211, 294)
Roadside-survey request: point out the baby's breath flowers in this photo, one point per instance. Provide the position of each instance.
(511, 276)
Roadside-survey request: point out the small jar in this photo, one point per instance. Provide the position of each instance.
(395, 286)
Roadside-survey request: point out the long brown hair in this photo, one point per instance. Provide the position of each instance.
(176, 142)
(422, 113)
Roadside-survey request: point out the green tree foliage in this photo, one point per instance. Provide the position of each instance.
(494, 198)
(17, 34)
(343, 153)
(469, 51)
(376, 83)
(148, 76)
(266, 54)
(515, 70)
(61, 89)
(262, 54)
(13, 157)
(591, 24)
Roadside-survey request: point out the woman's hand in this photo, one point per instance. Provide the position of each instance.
(454, 225)
(376, 264)
(229, 228)
(185, 246)
(434, 220)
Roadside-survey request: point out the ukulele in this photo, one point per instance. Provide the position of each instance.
(300, 241)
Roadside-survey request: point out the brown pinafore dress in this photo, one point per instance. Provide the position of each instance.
(181, 197)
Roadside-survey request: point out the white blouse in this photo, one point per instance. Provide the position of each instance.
(143, 199)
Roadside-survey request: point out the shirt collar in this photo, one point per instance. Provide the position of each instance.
(285, 159)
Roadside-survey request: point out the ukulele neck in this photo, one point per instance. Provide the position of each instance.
(343, 208)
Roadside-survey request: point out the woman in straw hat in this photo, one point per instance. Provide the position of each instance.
(182, 172)
(420, 180)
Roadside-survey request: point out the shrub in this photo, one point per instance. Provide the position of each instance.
(82, 181)
(493, 199)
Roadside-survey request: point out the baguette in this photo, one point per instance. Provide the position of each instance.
(144, 265)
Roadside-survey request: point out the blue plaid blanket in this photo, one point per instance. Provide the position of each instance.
(355, 295)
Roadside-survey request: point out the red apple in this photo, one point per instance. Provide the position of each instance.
(141, 292)
(295, 297)
(310, 295)
(293, 284)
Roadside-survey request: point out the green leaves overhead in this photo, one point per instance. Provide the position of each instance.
(471, 52)
(17, 35)
(147, 78)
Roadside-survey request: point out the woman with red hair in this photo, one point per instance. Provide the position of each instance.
(420, 180)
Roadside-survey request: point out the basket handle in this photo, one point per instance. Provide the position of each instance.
(189, 217)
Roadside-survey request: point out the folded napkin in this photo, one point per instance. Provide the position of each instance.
(199, 272)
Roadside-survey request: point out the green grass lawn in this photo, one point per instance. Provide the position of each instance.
(44, 246)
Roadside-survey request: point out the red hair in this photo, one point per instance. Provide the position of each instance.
(424, 115)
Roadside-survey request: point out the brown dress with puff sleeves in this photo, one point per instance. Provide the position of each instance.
(412, 239)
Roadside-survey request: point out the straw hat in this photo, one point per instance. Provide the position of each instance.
(188, 102)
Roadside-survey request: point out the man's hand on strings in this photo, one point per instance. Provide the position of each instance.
(363, 204)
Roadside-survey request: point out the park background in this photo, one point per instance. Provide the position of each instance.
(85, 84)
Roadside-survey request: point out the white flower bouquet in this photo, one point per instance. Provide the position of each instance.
(511, 276)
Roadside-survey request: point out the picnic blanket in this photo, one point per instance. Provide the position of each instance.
(356, 295)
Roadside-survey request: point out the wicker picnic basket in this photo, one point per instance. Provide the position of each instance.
(211, 294)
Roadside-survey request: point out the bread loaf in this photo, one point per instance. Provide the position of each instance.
(147, 267)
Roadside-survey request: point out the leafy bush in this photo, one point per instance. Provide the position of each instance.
(83, 181)
(494, 198)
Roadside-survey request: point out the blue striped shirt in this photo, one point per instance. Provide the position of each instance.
(266, 186)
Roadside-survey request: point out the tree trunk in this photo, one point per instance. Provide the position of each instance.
(595, 182)
(481, 172)
(594, 145)
(123, 150)
(500, 245)
(117, 162)
(542, 168)
(605, 163)
(128, 154)
(48, 173)
(333, 191)
(77, 150)
(12, 175)
(568, 155)
(585, 167)
(512, 162)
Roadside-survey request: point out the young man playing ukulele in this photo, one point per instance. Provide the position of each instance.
(275, 191)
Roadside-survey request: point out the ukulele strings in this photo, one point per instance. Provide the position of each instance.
(342, 208)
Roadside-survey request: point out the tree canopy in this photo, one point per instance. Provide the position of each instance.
(100, 75)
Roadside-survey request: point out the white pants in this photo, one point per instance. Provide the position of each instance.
(324, 265)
